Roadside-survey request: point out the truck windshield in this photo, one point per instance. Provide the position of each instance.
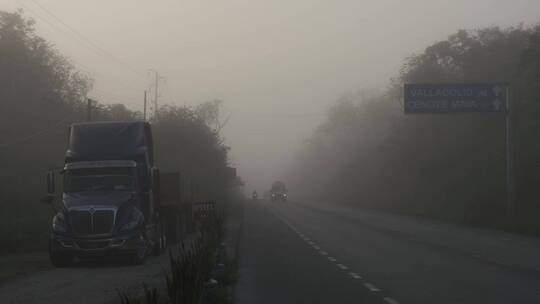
(278, 187)
(94, 179)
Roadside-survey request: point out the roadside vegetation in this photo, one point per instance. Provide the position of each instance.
(200, 270)
(452, 166)
(41, 93)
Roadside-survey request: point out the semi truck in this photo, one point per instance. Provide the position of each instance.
(109, 203)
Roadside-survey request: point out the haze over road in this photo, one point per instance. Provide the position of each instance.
(295, 252)
(270, 61)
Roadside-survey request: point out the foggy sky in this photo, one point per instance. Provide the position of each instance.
(278, 65)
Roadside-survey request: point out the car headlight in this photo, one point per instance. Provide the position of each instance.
(59, 223)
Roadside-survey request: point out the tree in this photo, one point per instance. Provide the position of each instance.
(445, 166)
(41, 94)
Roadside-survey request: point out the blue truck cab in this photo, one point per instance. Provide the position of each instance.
(109, 201)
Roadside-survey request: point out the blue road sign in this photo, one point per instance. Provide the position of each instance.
(455, 98)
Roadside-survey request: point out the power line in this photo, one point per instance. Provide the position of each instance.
(79, 65)
(92, 45)
(292, 115)
(56, 27)
(117, 96)
(90, 71)
(284, 115)
(105, 97)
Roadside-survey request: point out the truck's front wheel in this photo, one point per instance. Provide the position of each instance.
(137, 257)
(139, 254)
(59, 259)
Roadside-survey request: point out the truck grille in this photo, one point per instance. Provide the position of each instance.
(80, 222)
(85, 222)
(103, 221)
(92, 244)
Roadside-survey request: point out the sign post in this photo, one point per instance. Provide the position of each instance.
(509, 160)
(466, 98)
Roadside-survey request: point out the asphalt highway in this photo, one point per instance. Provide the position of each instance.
(301, 252)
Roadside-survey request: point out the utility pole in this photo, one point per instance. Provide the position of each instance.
(157, 78)
(510, 194)
(156, 96)
(89, 110)
(144, 111)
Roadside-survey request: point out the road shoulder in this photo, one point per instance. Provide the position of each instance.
(14, 266)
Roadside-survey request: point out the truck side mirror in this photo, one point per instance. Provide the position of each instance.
(50, 183)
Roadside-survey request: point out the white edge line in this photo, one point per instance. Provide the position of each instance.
(354, 275)
(371, 287)
(341, 266)
(390, 300)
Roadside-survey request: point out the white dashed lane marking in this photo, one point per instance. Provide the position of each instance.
(390, 300)
(371, 287)
(355, 276)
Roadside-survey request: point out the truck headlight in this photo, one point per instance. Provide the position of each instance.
(132, 220)
(59, 223)
(131, 225)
